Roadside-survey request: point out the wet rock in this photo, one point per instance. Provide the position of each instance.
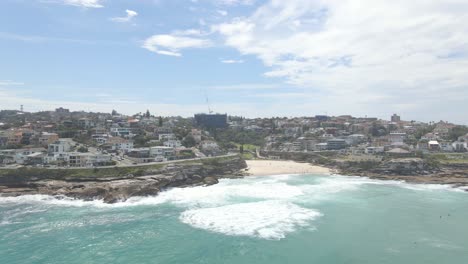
(210, 180)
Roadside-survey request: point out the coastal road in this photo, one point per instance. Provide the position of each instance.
(131, 165)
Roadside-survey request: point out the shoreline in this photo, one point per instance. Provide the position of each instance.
(278, 167)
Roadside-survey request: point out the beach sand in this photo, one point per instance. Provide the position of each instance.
(276, 167)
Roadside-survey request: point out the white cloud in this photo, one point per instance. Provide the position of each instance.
(235, 2)
(394, 54)
(222, 12)
(130, 15)
(9, 83)
(172, 44)
(246, 86)
(83, 3)
(232, 61)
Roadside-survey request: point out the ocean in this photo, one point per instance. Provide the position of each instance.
(271, 219)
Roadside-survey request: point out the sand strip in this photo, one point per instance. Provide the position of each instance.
(276, 167)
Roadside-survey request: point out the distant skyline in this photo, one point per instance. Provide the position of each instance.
(250, 58)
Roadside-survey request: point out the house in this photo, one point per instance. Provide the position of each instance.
(434, 145)
(336, 144)
(76, 159)
(140, 155)
(396, 138)
(460, 146)
(446, 146)
(19, 156)
(118, 144)
(321, 146)
(60, 146)
(172, 143)
(160, 151)
(166, 136)
(46, 138)
(355, 139)
(374, 150)
(86, 123)
(125, 132)
(100, 138)
(209, 145)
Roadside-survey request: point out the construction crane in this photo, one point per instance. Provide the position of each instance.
(208, 104)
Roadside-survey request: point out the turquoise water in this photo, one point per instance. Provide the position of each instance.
(274, 219)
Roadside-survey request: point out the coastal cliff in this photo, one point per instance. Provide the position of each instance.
(119, 183)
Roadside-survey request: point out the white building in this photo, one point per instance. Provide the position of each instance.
(60, 146)
(173, 143)
(119, 144)
(121, 132)
(374, 150)
(161, 151)
(209, 145)
(166, 136)
(397, 138)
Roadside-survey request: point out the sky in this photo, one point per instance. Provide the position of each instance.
(247, 57)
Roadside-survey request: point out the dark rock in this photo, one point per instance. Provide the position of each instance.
(210, 180)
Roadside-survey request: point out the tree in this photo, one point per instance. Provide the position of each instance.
(114, 113)
(160, 121)
(241, 149)
(148, 114)
(189, 141)
(457, 132)
(82, 149)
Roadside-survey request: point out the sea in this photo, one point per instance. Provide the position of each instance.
(269, 219)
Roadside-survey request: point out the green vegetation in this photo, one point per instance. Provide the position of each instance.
(78, 173)
(99, 172)
(449, 158)
(229, 136)
(247, 156)
(82, 149)
(457, 132)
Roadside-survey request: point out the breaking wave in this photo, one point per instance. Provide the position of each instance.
(267, 219)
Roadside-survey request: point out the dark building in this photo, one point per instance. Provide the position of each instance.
(395, 118)
(211, 120)
(321, 118)
(62, 110)
(336, 144)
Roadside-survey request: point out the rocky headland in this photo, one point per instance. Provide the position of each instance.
(414, 170)
(118, 184)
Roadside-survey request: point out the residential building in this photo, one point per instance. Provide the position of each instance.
(118, 144)
(125, 132)
(47, 138)
(211, 120)
(173, 143)
(166, 136)
(60, 146)
(395, 118)
(336, 144)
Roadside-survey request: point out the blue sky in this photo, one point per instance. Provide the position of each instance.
(250, 57)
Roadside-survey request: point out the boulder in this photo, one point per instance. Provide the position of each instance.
(210, 180)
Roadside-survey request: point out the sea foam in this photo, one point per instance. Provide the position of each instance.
(267, 219)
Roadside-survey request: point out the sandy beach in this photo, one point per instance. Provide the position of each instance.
(275, 167)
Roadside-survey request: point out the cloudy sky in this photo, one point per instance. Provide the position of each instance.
(249, 57)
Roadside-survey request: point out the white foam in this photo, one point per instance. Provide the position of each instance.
(268, 219)
(71, 202)
(229, 191)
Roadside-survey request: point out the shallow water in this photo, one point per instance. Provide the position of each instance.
(273, 219)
